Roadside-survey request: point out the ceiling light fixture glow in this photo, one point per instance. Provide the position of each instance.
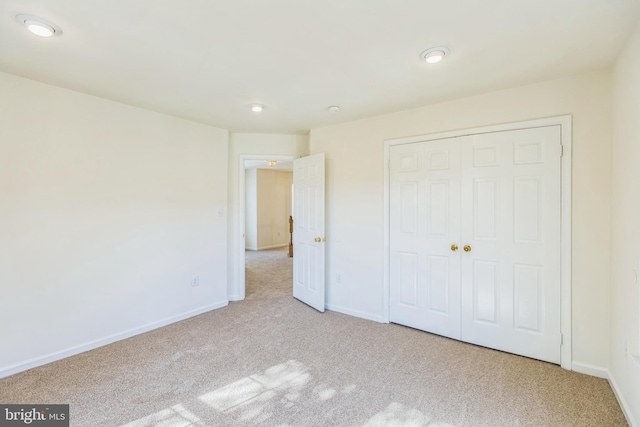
(434, 57)
(434, 54)
(257, 108)
(334, 108)
(39, 29)
(38, 26)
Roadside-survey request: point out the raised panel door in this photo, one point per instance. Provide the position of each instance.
(424, 216)
(308, 231)
(510, 278)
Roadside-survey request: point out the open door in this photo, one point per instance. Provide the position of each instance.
(308, 230)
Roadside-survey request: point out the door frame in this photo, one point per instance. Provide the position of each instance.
(242, 214)
(565, 123)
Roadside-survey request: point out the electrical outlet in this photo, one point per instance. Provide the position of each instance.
(195, 281)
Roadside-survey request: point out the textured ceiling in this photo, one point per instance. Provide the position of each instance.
(207, 60)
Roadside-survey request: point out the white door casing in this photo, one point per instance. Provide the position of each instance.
(499, 194)
(308, 231)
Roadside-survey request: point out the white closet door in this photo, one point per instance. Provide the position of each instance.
(510, 195)
(499, 195)
(425, 221)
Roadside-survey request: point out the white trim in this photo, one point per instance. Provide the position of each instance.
(550, 121)
(235, 298)
(592, 370)
(565, 239)
(240, 286)
(72, 351)
(596, 371)
(264, 248)
(621, 401)
(355, 313)
(566, 354)
(386, 289)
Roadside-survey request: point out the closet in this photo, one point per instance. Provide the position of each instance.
(475, 239)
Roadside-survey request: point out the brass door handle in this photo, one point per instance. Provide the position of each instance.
(317, 240)
(467, 248)
(454, 247)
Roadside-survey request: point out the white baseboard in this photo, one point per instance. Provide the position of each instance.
(621, 400)
(235, 298)
(264, 248)
(72, 351)
(594, 371)
(355, 313)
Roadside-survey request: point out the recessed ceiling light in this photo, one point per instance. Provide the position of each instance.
(38, 26)
(257, 108)
(334, 108)
(434, 54)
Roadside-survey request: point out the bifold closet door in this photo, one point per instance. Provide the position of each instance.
(424, 223)
(510, 278)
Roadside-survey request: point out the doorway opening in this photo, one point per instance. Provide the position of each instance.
(265, 206)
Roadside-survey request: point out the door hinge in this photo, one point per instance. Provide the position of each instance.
(561, 339)
(561, 150)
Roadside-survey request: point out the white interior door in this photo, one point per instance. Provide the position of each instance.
(475, 239)
(511, 273)
(308, 230)
(425, 229)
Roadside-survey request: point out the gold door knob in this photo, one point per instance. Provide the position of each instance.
(317, 240)
(454, 247)
(467, 248)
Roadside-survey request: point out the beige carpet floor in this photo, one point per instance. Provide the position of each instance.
(272, 361)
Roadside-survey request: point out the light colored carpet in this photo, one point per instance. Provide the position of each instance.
(268, 274)
(272, 361)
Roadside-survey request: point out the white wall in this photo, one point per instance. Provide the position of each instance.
(355, 173)
(106, 213)
(251, 209)
(274, 208)
(625, 220)
(251, 144)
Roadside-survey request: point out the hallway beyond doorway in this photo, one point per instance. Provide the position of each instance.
(269, 274)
